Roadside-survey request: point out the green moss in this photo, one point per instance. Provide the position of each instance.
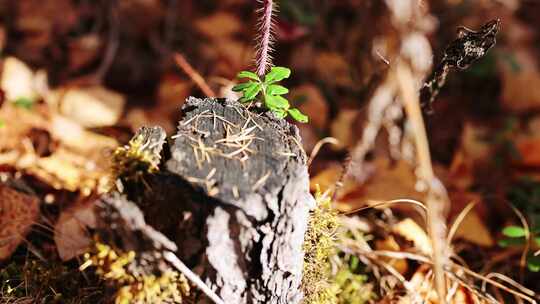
(319, 247)
(347, 284)
(133, 161)
(350, 285)
(117, 268)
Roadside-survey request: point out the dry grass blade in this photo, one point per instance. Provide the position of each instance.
(525, 225)
(461, 216)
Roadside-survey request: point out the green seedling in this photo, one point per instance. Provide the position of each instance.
(272, 93)
(516, 236)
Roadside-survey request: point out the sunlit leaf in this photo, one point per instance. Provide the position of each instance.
(514, 231)
(277, 74)
(242, 86)
(276, 102)
(251, 92)
(280, 113)
(248, 74)
(298, 116)
(276, 89)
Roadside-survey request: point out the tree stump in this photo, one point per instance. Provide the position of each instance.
(234, 196)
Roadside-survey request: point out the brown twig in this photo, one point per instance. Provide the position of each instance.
(193, 74)
(437, 199)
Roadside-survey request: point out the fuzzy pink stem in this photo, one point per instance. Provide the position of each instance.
(263, 53)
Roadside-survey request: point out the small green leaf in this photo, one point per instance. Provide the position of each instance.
(280, 113)
(251, 92)
(298, 116)
(533, 263)
(248, 74)
(507, 242)
(23, 102)
(514, 231)
(276, 102)
(276, 89)
(242, 86)
(537, 241)
(277, 74)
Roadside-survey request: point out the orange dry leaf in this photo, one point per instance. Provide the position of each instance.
(390, 244)
(529, 150)
(18, 212)
(309, 99)
(473, 229)
(218, 25)
(333, 69)
(343, 128)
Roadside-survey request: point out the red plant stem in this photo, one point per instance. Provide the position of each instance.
(264, 48)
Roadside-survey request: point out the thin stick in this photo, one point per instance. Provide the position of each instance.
(173, 259)
(436, 195)
(194, 75)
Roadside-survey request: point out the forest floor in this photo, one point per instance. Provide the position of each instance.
(80, 77)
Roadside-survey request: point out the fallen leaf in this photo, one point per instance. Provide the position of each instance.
(410, 230)
(390, 244)
(312, 103)
(473, 229)
(342, 128)
(72, 135)
(327, 179)
(218, 25)
(71, 234)
(332, 68)
(18, 212)
(90, 106)
(17, 80)
(529, 151)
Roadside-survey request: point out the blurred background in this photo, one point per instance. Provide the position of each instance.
(80, 76)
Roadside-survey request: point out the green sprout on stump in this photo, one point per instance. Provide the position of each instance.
(271, 92)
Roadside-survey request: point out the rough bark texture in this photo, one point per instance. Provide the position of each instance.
(234, 196)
